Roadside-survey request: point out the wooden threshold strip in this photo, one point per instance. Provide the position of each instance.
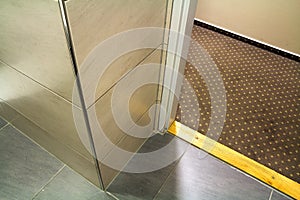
(238, 160)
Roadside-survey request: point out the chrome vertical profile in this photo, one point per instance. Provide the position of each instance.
(67, 31)
(156, 128)
(182, 17)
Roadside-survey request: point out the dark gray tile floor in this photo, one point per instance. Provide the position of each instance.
(145, 185)
(196, 175)
(69, 185)
(29, 172)
(24, 166)
(206, 178)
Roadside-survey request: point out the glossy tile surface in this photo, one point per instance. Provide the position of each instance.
(116, 16)
(29, 172)
(196, 175)
(201, 176)
(119, 116)
(67, 184)
(146, 185)
(69, 156)
(115, 71)
(106, 19)
(49, 111)
(116, 159)
(32, 40)
(24, 166)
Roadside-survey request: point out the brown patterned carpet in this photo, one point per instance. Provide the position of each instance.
(263, 100)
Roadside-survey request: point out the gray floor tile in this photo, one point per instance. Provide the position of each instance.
(157, 142)
(205, 178)
(2, 122)
(277, 196)
(139, 186)
(146, 185)
(24, 166)
(70, 185)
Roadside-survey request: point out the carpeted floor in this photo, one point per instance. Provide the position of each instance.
(263, 100)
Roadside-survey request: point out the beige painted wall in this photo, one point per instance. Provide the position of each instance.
(276, 22)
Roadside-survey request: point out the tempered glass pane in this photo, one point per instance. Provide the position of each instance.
(118, 49)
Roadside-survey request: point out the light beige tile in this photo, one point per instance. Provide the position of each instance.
(115, 160)
(106, 132)
(32, 41)
(127, 138)
(109, 126)
(49, 111)
(104, 19)
(127, 146)
(119, 68)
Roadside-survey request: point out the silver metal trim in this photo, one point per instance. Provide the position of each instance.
(67, 31)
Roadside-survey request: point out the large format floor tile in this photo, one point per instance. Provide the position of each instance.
(199, 176)
(196, 175)
(70, 185)
(27, 172)
(24, 166)
(146, 185)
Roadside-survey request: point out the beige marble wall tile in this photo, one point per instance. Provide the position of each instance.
(32, 41)
(94, 21)
(127, 143)
(127, 108)
(119, 68)
(49, 111)
(128, 136)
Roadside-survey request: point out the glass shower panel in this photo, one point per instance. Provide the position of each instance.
(118, 52)
(37, 79)
(144, 174)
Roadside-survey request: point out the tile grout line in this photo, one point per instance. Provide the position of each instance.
(40, 84)
(165, 182)
(124, 76)
(7, 124)
(35, 124)
(122, 138)
(27, 136)
(271, 194)
(32, 140)
(111, 195)
(48, 182)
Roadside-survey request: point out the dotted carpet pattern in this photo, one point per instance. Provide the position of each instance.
(263, 100)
